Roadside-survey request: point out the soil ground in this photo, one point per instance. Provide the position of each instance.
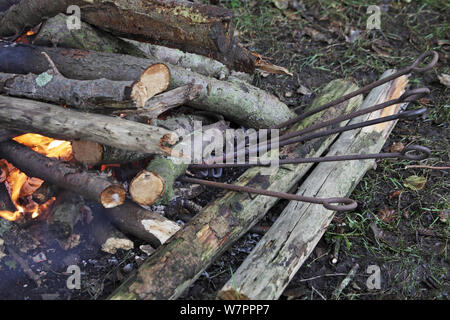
(404, 232)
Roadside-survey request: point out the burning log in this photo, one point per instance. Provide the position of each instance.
(91, 185)
(108, 237)
(177, 264)
(93, 153)
(281, 252)
(238, 101)
(54, 32)
(96, 94)
(65, 214)
(63, 123)
(143, 224)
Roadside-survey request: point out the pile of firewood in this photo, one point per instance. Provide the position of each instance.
(113, 86)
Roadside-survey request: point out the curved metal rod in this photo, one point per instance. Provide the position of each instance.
(408, 96)
(329, 203)
(412, 152)
(402, 115)
(412, 68)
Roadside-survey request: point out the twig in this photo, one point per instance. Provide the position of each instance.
(346, 281)
(52, 64)
(426, 167)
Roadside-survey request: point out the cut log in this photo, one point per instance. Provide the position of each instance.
(66, 124)
(280, 253)
(96, 94)
(93, 153)
(155, 79)
(174, 266)
(168, 100)
(155, 184)
(143, 224)
(54, 32)
(89, 184)
(65, 214)
(238, 101)
(108, 237)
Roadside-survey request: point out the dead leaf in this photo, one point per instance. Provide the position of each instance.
(395, 194)
(303, 90)
(443, 215)
(316, 35)
(415, 183)
(425, 101)
(397, 147)
(386, 215)
(291, 15)
(281, 4)
(445, 79)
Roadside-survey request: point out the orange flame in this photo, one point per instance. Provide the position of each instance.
(47, 146)
(21, 187)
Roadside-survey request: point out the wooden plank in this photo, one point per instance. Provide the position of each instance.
(284, 248)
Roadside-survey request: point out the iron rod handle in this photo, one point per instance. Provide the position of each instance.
(329, 203)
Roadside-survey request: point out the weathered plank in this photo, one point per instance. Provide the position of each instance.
(284, 248)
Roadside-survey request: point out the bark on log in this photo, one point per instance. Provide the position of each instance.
(108, 237)
(238, 101)
(65, 214)
(93, 153)
(143, 224)
(175, 265)
(66, 124)
(54, 32)
(91, 185)
(192, 27)
(280, 253)
(5, 5)
(96, 94)
(6, 134)
(195, 62)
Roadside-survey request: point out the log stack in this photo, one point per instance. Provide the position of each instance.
(116, 87)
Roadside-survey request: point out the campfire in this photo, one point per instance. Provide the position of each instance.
(142, 130)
